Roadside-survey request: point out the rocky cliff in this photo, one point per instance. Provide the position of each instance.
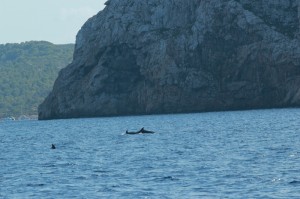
(173, 56)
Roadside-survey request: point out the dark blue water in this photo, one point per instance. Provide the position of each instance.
(243, 154)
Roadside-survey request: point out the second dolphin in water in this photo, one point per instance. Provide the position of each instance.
(145, 131)
(139, 132)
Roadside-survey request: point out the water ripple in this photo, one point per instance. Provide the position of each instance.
(241, 154)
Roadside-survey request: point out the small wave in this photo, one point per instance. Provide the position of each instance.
(49, 165)
(295, 154)
(100, 171)
(295, 182)
(66, 164)
(94, 175)
(166, 178)
(35, 185)
(179, 152)
(276, 180)
(81, 178)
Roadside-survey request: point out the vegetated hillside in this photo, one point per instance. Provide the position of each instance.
(27, 73)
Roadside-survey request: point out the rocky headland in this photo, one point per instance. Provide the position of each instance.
(173, 56)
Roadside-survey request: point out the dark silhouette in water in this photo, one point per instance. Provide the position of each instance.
(53, 146)
(294, 182)
(139, 132)
(145, 131)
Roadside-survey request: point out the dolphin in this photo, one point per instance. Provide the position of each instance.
(146, 131)
(138, 132)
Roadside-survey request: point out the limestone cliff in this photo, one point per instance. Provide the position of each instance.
(173, 56)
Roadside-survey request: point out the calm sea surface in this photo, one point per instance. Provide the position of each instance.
(242, 154)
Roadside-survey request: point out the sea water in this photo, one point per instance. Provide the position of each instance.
(241, 154)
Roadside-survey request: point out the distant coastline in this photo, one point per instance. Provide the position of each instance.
(22, 117)
(28, 71)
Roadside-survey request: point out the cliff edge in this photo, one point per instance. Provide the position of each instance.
(174, 56)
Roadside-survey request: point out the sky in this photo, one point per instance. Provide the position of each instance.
(56, 21)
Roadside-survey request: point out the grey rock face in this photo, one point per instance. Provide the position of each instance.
(172, 56)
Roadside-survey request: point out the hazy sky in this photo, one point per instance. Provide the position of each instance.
(57, 21)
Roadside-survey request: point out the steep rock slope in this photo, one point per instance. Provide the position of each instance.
(172, 56)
